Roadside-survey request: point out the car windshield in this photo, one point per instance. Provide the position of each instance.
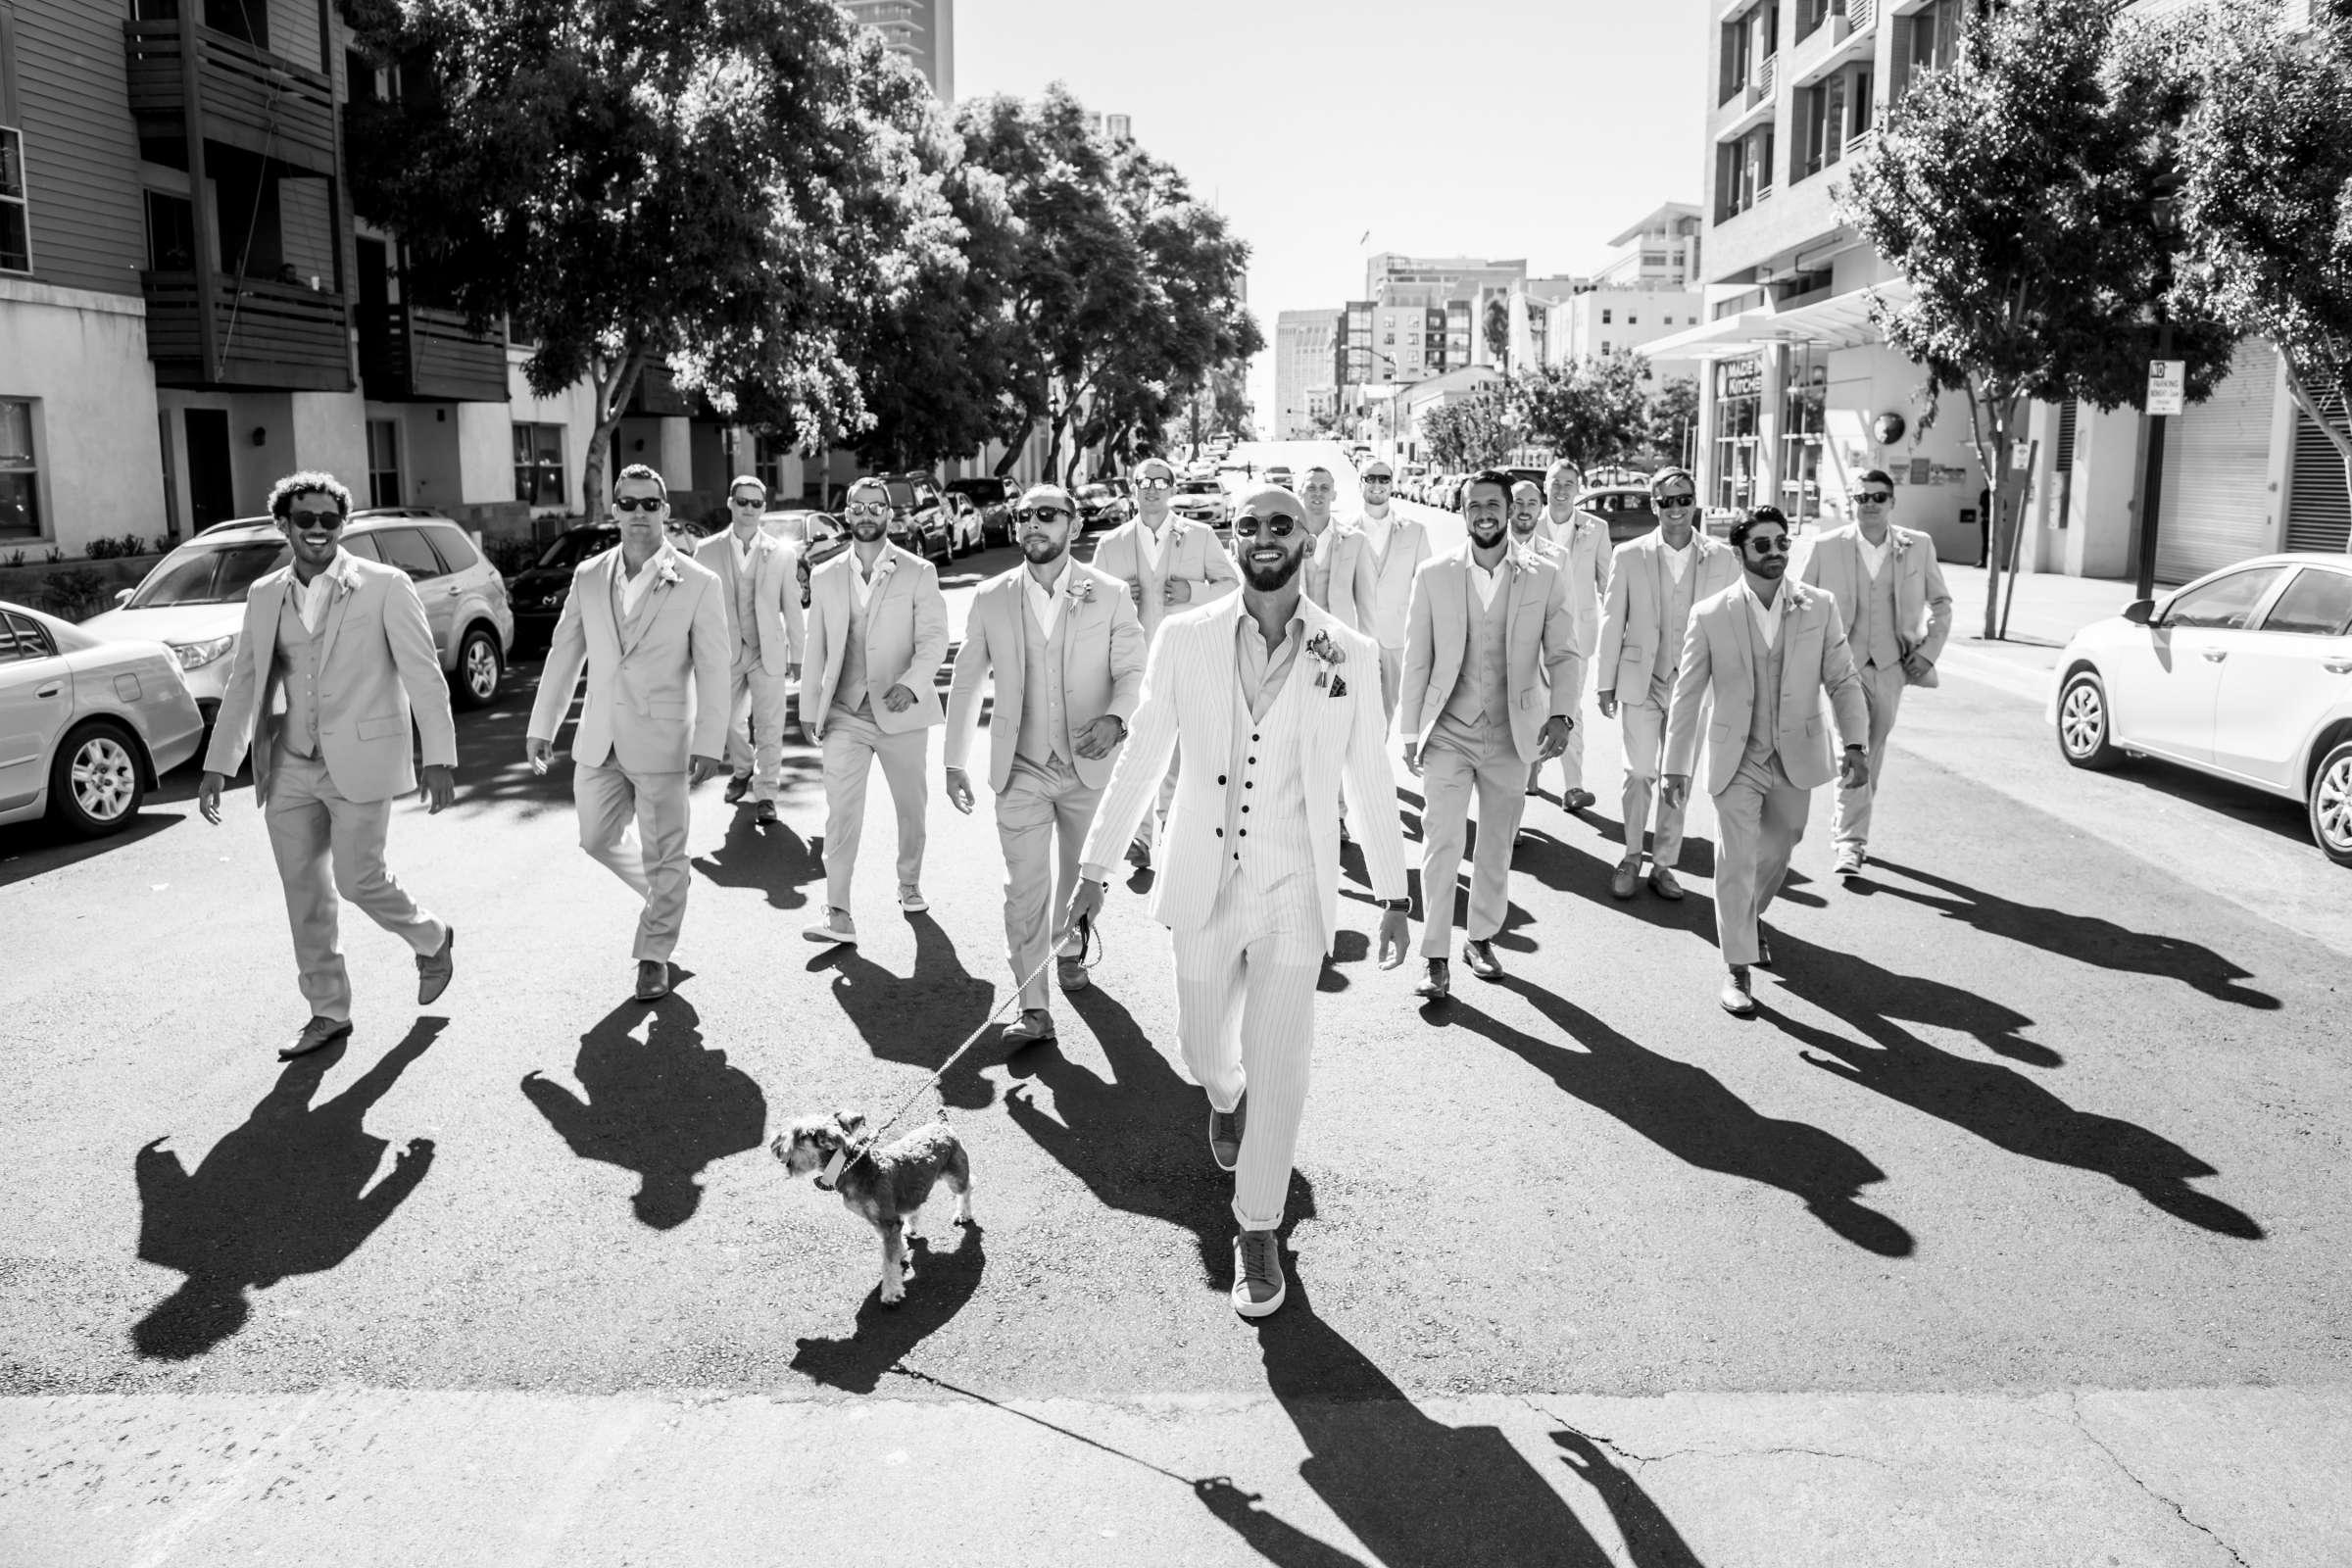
(569, 549)
(988, 492)
(1094, 492)
(1200, 487)
(208, 575)
(902, 494)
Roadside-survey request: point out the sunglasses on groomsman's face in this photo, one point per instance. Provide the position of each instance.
(1770, 544)
(1872, 498)
(1378, 478)
(1048, 515)
(1277, 527)
(1676, 503)
(327, 517)
(639, 503)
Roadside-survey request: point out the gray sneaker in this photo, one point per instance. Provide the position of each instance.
(1258, 1287)
(834, 930)
(1225, 1129)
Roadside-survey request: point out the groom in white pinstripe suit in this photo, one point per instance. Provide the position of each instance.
(1277, 706)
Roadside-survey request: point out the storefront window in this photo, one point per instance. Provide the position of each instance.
(1739, 410)
(1802, 423)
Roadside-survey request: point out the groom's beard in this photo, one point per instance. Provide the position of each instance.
(1269, 579)
(1039, 552)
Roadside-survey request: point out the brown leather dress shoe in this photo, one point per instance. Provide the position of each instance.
(765, 815)
(1034, 1025)
(653, 980)
(1438, 984)
(1578, 799)
(738, 787)
(317, 1035)
(435, 971)
(1665, 884)
(1626, 880)
(1479, 958)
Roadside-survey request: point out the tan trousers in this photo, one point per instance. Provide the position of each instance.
(1849, 820)
(756, 705)
(1644, 727)
(1458, 760)
(1044, 811)
(1760, 816)
(851, 745)
(328, 848)
(1572, 761)
(634, 825)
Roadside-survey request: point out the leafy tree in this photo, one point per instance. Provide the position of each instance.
(2266, 196)
(1498, 330)
(1472, 432)
(2017, 194)
(1672, 414)
(1593, 410)
(735, 187)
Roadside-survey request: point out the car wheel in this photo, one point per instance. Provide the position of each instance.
(480, 671)
(95, 782)
(2331, 803)
(2084, 735)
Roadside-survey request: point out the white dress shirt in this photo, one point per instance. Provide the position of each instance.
(310, 598)
(743, 548)
(1679, 561)
(1873, 557)
(861, 585)
(1487, 579)
(1045, 602)
(1768, 617)
(632, 589)
(1155, 541)
(1376, 530)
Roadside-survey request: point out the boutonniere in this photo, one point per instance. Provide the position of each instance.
(668, 567)
(1081, 591)
(1331, 656)
(1896, 541)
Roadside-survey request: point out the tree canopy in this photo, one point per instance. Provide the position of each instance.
(1589, 410)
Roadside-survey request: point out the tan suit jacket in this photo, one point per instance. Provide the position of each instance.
(775, 594)
(1834, 562)
(377, 673)
(1192, 553)
(1633, 627)
(1539, 641)
(1355, 579)
(656, 696)
(1814, 659)
(1189, 694)
(905, 638)
(1584, 545)
(1101, 667)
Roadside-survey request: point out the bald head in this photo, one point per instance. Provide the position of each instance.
(1269, 537)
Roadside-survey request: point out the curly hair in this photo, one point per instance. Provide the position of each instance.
(1747, 525)
(308, 482)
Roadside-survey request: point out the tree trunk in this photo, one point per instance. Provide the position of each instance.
(613, 394)
(1991, 416)
(2341, 439)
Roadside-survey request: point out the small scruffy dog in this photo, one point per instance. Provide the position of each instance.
(887, 1187)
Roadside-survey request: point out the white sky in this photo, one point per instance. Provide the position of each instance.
(1444, 127)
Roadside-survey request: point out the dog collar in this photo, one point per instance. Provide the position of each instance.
(831, 1174)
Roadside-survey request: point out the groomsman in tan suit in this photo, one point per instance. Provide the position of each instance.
(1582, 542)
(1166, 563)
(1319, 492)
(650, 626)
(346, 643)
(1373, 562)
(762, 599)
(1897, 613)
(1767, 650)
(1067, 654)
(878, 635)
(1489, 669)
(1654, 581)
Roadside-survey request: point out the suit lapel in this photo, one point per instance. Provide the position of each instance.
(338, 597)
(1011, 610)
(633, 628)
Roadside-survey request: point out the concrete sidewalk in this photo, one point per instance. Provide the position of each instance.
(2044, 612)
(2215, 1476)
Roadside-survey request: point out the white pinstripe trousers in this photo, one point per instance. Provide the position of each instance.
(1246, 1020)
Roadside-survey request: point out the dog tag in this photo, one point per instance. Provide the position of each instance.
(833, 1167)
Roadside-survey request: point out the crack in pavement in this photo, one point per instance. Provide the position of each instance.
(2073, 1406)
(1628, 1456)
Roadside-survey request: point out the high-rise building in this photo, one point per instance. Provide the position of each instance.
(920, 32)
(1118, 127)
(1305, 351)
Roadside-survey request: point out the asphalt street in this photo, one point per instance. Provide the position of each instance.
(2015, 1229)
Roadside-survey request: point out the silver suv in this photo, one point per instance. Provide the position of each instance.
(193, 600)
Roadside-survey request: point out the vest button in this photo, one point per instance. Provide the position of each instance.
(1248, 784)
(1220, 778)
(1220, 832)
(1245, 809)
(1245, 832)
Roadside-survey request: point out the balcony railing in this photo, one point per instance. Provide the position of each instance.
(249, 97)
(1759, 81)
(264, 336)
(1861, 141)
(1859, 15)
(414, 354)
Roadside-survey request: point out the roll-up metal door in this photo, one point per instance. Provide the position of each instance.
(2319, 514)
(2216, 465)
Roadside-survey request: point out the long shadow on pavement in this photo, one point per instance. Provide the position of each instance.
(1688, 1112)
(1998, 1104)
(920, 1018)
(662, 1108)
(777, 860)
(2086, 938)
(1413, 1490)
(286, 1193)
(938, 1284)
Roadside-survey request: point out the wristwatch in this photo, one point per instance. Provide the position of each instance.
(1396, 906)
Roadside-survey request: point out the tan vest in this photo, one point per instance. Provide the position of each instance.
(1764, 716)
(1154, 607)
(850, 692)
(1266, 835)
(1045, 730)
(1673, 622)
(1483, 688)
(743, 596)
(298, 662)
(1876, 619)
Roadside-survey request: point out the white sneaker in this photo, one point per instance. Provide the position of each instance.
(910, 898)
(835, 929)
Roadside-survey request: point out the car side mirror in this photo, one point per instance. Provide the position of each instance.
(123, 596)
(2141, 611)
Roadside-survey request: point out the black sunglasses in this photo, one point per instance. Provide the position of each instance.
(1278, 526)
(316, 520)
(1677, 503)
(1874, 497)
(1378, 478)
(1773, 545)
(1041, 514)
(640, 504)
(1154, 482)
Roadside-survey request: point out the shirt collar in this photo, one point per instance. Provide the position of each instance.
(1779, 608)
(1062, 578)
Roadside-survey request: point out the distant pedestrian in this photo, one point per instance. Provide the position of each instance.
(1897, 613)
(1372, 567)
(878, 635)
(764, 631)
(1765, 651)
(1489, 669)
(649, 625)
(1582, 542)
(334, 663)
(1654, 581)
(1067, 651)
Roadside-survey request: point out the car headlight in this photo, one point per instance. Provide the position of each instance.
(195, 656)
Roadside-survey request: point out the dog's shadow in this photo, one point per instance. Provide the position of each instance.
(938, 1284)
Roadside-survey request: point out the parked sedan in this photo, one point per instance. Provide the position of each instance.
(995, 499)
(2247, 674)
(193, 600)
(87, 725)
(1624, 508)
(1202, 500)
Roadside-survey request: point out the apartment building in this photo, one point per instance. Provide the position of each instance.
(1661, 252)
(1305, 346)
(923, 33)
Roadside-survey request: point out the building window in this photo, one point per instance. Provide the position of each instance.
(1928, 40)
(1811, 13)
(1606, 318)
(16, 219)
(1742, 172)
(1738, 412)
(539, 464)
(19, 473)
(1802, 407)
(383, 463)
(1820, 127)
(170, 232)
(767, 465)
(1632, 320)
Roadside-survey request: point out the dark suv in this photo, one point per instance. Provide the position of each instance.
(918, 515)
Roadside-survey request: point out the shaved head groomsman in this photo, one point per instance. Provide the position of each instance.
(1897, 613)
(1166, 562)
(762, 598)
(1654, 581)
(1766, 650)
(1583, 541)
(649, 626)
(1372, 563)
(1067, 651)
(878, 635)
(1488, 670)
(334, 661)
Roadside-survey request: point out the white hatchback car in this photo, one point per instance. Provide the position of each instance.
(2247, 674)
(87, 726)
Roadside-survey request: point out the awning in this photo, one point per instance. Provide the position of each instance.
(1839, 323)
